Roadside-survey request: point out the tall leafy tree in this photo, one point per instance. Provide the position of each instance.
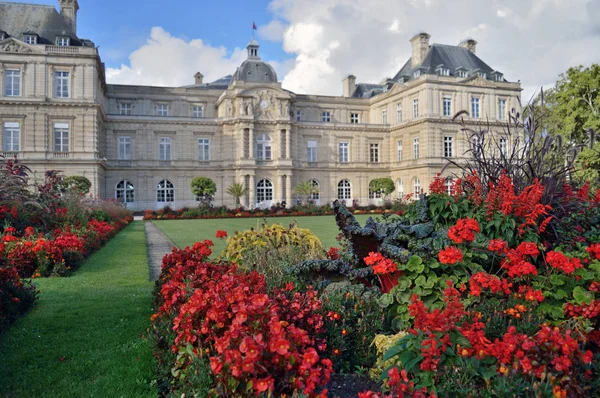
(204, 188)
(384, 185)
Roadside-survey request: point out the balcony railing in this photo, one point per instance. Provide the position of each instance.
(9, 155)
(61, 155)
(71, 50)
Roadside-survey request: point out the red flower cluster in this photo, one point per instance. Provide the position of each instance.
(450, 255)
(255, 341)
(501, 196)
(529, 207)
(333, 253)
(438, 186)
(464, 230)
(531, 294)
(594, 251)
(221, 234)
(590, 311)
(381, 265)
(560, 261)
(483, 280)
(514, 261)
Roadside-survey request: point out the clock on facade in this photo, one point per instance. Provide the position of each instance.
(264, 104)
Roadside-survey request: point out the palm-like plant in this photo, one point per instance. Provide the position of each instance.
(237, 190)
(13, 182)
(305, 189)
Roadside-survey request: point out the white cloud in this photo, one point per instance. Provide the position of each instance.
(170, 61)
(273, 31)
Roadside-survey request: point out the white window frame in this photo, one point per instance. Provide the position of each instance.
(501, 109)
(317, 194)
(125, 192)
(61, 137)
(416, 188)
(449, 182)
(354, 118)
(61, 84)
(415, 108)
(475, 142)
(344, 190)
(165, 192)
(63, 41)
(264, 190)
(374, 153)
(475, 107)
(204, 149)
(12, 137)
(197, 111)
(416, 148)
(326, 117)
(384, 117)
(503, 146)
(400, 188)
(12, 79)
(164, 148)
(447, 105)
(30, 39)
(311, 151)
(264, 147)
(462, 73)
(416, 74)
(162, 110)
(448, 146)
(399, 150)
(398, 113)
(125, 109)
(124, 147)
(344, 152)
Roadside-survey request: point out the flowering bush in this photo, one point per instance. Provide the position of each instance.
(256, 344)
(16, 296)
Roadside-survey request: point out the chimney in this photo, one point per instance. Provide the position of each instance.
(469, 44)
(349, 86)
(420, 46)
(68, 9)
(198, 76)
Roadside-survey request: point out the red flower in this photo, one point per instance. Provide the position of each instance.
(464, 230)
(528, 248)
(438, 186)
(216, 365)
(562, 262)
(221, 234)
(497, 246)
(333, 253)
(594, 251)
(450, 255)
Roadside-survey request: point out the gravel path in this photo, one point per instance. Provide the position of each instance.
(157, 245)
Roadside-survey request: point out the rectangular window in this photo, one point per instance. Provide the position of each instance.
(344, 152)
(398, 113)
(374, 153)
(31, 39)
(448, 142)
(416, 74)
(12, 131)
(416, 148)
(475, 107)
(503, 146)
(162, 110)
(124, 148)
(164, 148)
(415, 108)
(12, 82)
(197, 111)
(61, 84)
(61, 137)
(462, 73)
(384, 116)
(311, 151)
(298, 115)
(203, 149)
(62, 41)
(447, 106)
(443, 72)
(125, 109)
(326, 117)
(399, 150)
(501, 109)
(354, 118)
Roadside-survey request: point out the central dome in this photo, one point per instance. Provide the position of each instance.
(255, 69)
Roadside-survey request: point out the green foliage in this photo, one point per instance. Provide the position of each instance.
(306, 189)
(76, 184)
(384, 185)
(203, 187)
(237, 190)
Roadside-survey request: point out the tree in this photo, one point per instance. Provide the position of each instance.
(237, 190)
(306, 189)
(384, 185)
(204, 188)
(76, 184)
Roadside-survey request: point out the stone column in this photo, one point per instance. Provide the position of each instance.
(252, 188)
(288, 190)
(280, 189)
(251, 143)
(288, 143)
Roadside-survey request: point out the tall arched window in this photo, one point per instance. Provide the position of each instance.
(417, 188)
(344, 190)
(316, 194)
(165, 191)
(263, 147)
(400, 185)
(448, 183)
(264, 190)
(124, 192)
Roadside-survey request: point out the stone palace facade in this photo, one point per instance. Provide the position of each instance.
(144, 144)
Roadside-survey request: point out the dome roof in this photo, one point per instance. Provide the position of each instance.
(255, 70)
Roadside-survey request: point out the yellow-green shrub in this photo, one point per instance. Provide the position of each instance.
(383, 343)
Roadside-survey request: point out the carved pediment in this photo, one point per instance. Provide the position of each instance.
(479, 81)
(12, 45)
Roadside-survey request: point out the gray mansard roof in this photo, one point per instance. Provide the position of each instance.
(255, 70)
(219, 84)
(17, 19)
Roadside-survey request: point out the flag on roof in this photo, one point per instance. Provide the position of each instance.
(253, 25)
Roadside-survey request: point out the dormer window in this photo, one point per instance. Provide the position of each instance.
(416, 74)
(2, 35)
(482, 75)
(497, 76)
(461, 72)
(31, 39)
(63, 41)
(440, 70)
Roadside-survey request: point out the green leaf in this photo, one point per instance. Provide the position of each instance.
(411, 364)
(582, 296)
(557, 280)
(385, 300)
(395, 350)
(420, 281)
(488, 372)
(560, 294)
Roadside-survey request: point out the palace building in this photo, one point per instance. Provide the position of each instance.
(144, 144)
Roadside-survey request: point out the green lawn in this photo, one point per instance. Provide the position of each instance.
(186, 232)
(84, 337)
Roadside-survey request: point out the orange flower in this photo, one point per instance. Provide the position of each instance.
(344, 332)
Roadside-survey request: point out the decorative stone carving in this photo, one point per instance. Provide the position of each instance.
(14, 47)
